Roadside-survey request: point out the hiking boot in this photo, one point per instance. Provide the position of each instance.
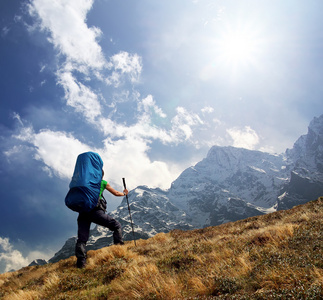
(119, 243)
(81, 263)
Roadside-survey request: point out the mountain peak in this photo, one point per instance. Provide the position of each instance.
(308, 148)
(316, 125)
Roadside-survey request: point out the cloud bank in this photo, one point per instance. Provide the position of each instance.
(244, 138)
(13, 259)
(83, 72)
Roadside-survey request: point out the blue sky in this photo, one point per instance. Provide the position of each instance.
(151, 86)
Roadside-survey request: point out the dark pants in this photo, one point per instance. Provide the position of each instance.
(84, 221)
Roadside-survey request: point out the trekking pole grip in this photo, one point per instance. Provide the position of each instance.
(124, 182)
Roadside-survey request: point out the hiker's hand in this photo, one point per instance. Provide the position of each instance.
(115, 192)
(125, 192)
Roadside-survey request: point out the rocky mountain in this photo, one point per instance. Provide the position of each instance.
(38, 262)
(306, 161)
(228, 185)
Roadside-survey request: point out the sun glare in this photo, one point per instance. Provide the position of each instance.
(238, 47)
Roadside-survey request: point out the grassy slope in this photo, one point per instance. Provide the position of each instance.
(276, 256)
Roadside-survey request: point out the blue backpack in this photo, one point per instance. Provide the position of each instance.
(84, 191)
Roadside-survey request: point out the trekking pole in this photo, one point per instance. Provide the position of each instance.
(133, 231)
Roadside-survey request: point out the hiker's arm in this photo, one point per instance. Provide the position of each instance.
(115, 192)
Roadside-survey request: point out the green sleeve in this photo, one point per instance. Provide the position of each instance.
(102, 188)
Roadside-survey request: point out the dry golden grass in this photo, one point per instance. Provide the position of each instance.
(275, 256)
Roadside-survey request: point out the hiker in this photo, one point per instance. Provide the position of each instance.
(99, 217)
(85, 196)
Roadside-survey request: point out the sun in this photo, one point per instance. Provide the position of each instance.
(239, 47)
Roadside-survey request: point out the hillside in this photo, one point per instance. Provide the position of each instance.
(273, 256)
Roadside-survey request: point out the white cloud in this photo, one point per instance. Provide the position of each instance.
(216, 121)
(5, 245)
(128, 158)
(16, 116)
(79, 96)
(124, 64)
(124, 157)
(65, 21)
(182, 124)
(268, 149)
(142, 129)
(13, 259)
(58, 150)
(42, 68)
(244, 138)
(4, 31)
(149, 103)
(207, 109)
(10, 259)
(126, 147)
(33, 255)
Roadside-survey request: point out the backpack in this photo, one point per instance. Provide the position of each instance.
(84, 191)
